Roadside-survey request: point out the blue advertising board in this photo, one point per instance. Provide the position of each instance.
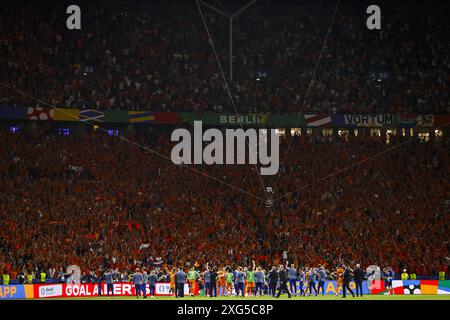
(331, 287)
(12, 292)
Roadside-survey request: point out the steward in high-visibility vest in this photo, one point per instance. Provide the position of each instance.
(441, 275)
(43, 276)
(413, 276)
(29, 278)
(6, 279)
(404, 275)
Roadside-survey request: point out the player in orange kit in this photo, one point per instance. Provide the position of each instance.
(172, 281)
(340, 279)
(221, 281)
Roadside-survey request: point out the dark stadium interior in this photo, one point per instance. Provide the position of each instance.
(158, 59)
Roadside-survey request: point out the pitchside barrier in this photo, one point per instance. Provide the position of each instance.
(41, 291)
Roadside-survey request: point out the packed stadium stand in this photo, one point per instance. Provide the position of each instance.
(83, 197)
(78, 199)
(158, 58)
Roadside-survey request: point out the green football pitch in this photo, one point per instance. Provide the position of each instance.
(283, 297)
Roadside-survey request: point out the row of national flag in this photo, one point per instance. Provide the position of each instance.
(413, 287)
(88, 115)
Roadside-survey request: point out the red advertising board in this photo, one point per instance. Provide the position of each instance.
(91, 289)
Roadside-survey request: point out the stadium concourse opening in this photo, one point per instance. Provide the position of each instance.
(91, 204)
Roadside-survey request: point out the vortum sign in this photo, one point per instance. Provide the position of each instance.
(234, 144)
(367, 120)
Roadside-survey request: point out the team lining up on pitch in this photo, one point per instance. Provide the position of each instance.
(250, 281)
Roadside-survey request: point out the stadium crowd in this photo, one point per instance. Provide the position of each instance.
(100, 203)
(160, 59)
